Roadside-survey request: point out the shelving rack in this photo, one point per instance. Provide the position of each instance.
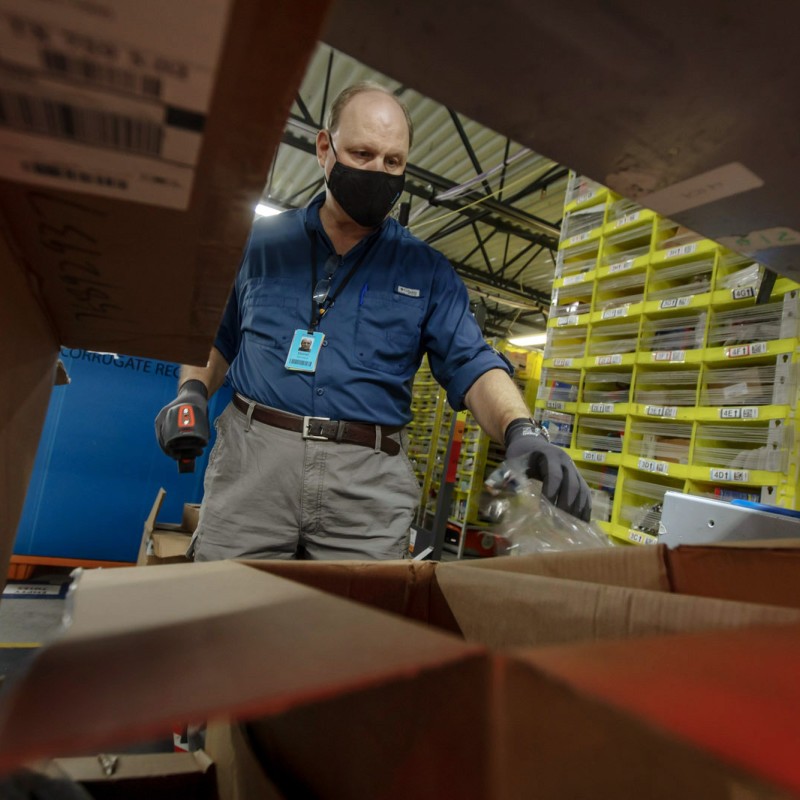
(429, 434)
(660, 371)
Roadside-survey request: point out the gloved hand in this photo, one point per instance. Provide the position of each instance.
(182, 426)
(562, 484)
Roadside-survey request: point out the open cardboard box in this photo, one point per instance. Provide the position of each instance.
(167, 542)
(113, 251)
(157, 776)
(346, 700)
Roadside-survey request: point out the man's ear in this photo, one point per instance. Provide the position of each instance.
(323, 147)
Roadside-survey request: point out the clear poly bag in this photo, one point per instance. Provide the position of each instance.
(526, 521)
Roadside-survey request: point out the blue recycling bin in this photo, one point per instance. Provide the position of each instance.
(98, 467)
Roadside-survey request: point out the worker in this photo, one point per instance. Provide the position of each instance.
(332, 309)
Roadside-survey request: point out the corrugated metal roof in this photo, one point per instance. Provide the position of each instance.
(485, 256)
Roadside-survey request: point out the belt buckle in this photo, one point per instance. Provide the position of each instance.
(307, 423)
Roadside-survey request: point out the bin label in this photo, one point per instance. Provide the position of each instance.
(674, 356)
(742, 350)
(743, 412)
(743, 292)
(562, 362)
(651, 465)
(737, 475)
(628, 218)
(677, 302)
(601, 408)
(572, 319)
(684, 250)
(605, 361)
(640, 537)
(669, 412)
(620, 266)
(591, 455)
(614, 313)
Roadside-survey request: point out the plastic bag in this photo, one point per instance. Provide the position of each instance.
(529, 523)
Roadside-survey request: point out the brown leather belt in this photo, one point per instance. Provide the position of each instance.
(323, 429)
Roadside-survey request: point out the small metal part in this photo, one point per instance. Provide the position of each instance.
(108, 763)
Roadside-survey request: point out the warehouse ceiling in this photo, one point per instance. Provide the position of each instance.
(490, 205)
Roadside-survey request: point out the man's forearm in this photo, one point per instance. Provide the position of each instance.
(494, 401)
(212, 375)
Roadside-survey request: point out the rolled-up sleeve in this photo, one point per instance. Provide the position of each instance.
(457, 352)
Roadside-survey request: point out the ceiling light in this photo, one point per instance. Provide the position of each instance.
(265, 210)
(530, 340)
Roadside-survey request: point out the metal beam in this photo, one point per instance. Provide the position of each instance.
(468, 147)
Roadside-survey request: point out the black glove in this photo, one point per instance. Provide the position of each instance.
(182, 426)
(562, 484)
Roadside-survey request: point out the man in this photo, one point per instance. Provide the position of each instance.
(309, 460)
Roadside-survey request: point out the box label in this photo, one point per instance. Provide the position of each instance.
(614, 313)
(744, 412)
(108, 104)
(605, 361)
(743, 292)
(676, 302)
(668, 412)
(684, 250)
(675, 356)
(738, 475)
(562, 362)
(742, 350)
(601, 408)
(650, 465)
(598, 458)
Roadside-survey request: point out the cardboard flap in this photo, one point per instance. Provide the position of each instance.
(402, 587)
(221, 638)
(750, 574)
(505, 609)
(732, 693)
(149, 524)
(634, 567)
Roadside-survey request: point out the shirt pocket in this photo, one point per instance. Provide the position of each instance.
(388, 331)
(270, 314)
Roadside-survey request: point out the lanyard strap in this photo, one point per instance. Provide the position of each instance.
(319, 309)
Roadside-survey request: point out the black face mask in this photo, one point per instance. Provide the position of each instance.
(366, 195)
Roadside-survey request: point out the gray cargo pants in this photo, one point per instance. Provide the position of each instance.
(269, 493)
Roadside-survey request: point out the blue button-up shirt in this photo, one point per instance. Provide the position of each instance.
(404, 300)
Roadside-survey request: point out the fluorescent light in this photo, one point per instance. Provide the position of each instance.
(264, 210)
(529, 341)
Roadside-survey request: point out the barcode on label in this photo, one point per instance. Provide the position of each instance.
(589, 455)
(649, 465)
(740, 475)
(685, 250)
(101, 74)
(88, 126)
(744, 412)
(638, 537)
(601, 408)
(743, 292)
(740, 350)
(670, 412)
(73, 174)
(604, 361)
(562, 362)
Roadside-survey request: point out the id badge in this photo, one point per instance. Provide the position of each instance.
(304, 350)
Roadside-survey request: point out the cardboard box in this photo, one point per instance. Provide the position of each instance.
(139, 257)
(166, 543)
(346, 701)
(157, 776)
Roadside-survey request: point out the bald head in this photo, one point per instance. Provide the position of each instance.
(366, 87)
